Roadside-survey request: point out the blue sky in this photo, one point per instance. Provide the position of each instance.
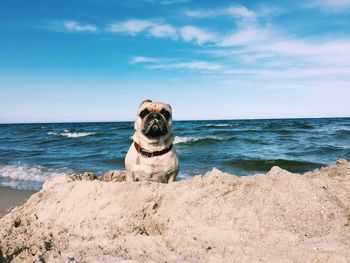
(95, 60)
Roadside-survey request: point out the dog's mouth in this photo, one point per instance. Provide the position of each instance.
(155, 131)
(155, 126)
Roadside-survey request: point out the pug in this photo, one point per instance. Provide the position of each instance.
(152, 155)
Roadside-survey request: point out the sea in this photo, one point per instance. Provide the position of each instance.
(33, 153)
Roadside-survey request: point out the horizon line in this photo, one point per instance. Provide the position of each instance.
(179, 120)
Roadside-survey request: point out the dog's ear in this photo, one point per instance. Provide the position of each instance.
(169, 106)
(144, 101)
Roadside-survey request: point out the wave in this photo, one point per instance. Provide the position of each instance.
(214, 125)
(35, 173)
(288, 125)
(302, 125)
(343, 133)
(72, 134)
(252, 140)
(325, 149)
(286, 131)
(282, 132)
(266, 165)
(180, 140)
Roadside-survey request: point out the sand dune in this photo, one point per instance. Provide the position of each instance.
(277, 217)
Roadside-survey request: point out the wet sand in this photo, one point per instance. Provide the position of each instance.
(10, 198)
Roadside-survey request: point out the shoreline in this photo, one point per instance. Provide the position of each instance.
(11, 197)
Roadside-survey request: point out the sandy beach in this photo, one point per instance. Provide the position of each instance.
(217, 217)
(11, 198)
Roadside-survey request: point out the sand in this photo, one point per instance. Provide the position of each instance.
(10, 198)
(217, 217)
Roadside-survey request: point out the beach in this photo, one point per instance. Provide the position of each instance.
(11, 198)
(214, 217)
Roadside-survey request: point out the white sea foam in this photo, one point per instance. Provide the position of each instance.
(179, 140)
(219, 125)
(30, 172)
(71, 134)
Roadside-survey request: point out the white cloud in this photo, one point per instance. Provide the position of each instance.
(195, 34)
(132, 26)
(298, 73)
(268, 50)
(246, 36)
(191, 65)
(240, 11)
(330, 5)
(162, 30)
(75, 26)
(165, 30)
(237, 11)
(140, 59)
(267, 53)
(252, 43)
(136, 26)
(170, 63)
(320, 52)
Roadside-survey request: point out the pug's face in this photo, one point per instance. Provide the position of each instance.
(154, 119)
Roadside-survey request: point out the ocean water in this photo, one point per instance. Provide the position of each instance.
(32, 153)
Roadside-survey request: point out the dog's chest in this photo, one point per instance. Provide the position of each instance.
(152, 165)
(156, 168)
(151, 168)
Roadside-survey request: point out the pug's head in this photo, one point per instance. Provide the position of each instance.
(154, 119)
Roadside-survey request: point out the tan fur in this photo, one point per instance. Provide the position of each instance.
(161, 168)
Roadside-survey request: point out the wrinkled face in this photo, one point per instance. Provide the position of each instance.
(154, 119)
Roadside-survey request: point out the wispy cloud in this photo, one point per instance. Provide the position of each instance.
(329, 5)
(140, 59)
(251, 48)
(326, 51)
(75, 26)
(136, 26)
(237, 11)
(196, 34)
(191, 65)
(68, 26)
(248, 35)
(171, 63)
(253, 42)
(132, 26)
(296, 73)
(162, 30)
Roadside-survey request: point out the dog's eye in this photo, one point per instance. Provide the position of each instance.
(144, 113)
(166, 114)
